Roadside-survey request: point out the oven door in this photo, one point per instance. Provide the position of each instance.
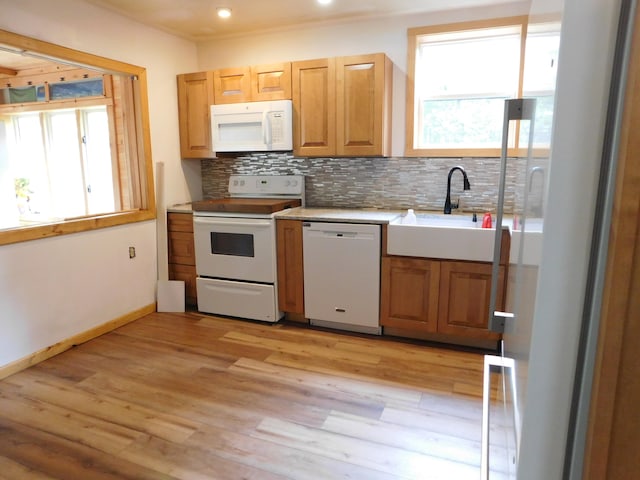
(235, 248)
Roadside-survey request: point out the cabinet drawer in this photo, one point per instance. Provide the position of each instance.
(180, 222)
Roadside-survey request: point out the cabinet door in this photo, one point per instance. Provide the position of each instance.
(465, 289)
(409, 293)
(271, 82)
(290, 266)
(180, 238)
(314, 107)
(363, 105)
(232, 85)
(195, 95)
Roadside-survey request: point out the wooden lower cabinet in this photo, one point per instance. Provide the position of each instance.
(182, 257)
(420, 295)
(186, 273)
(463, 304)
(290, 266)
(409, 293)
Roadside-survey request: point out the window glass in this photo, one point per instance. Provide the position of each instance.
(461, 83)
(84, 88)
(22, 94)
(99, 166)
(65, 167)
(540, 68)
(61, 164)
(28, 168)
(463, 73)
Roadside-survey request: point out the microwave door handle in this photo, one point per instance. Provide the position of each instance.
(266, 128)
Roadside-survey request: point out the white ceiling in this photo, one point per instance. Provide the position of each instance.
(197, 20)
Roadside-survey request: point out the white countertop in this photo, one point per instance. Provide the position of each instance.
(352, 215)
(180, 208)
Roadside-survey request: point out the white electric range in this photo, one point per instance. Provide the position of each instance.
(235, 245)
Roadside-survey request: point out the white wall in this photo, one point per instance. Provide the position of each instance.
(54, 288)
(387, 35)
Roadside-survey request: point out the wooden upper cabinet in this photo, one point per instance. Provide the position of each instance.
(465, 289)
(271, 82)
(195, 95)
(342, 106)
(252, 84)
(363, 94)
(232, 85)
(314, 107)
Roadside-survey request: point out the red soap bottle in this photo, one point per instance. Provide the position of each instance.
(486, 220)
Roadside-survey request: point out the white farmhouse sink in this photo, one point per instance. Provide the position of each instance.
(528, 241)
(441, 236)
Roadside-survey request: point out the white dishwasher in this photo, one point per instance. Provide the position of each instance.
(342, 275)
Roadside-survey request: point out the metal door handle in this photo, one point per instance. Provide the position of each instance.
(514, 109)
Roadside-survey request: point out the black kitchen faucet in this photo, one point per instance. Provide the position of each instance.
(467, 186)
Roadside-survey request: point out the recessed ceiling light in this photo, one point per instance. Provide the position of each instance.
(324, 2)
(224, 12)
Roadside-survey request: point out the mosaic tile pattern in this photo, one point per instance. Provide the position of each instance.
(389, 183)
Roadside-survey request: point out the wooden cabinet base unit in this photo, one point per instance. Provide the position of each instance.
(182, 259)
(409, 293)
(465, 290)
(439, 300)
(290, 267)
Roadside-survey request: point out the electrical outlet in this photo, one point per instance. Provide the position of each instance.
(132, 252)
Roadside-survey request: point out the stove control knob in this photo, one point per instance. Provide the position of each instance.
(294, 183)
(235, 183)
(242, 183)
(287, 183)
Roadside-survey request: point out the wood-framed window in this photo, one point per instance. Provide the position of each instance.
(74, 142)
(459, 76)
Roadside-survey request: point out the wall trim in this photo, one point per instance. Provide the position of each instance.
(66, 344)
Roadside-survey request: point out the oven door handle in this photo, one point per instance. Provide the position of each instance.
(232, 223)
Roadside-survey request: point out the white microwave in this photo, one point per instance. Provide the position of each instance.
(252, 126)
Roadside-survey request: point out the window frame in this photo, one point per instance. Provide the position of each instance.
(142, 168)
(413, 35)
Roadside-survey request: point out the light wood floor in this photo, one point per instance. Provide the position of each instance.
(189, 396)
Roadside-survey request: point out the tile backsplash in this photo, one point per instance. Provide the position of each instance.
(389, 183)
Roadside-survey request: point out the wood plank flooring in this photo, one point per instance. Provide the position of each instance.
(189, 396)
